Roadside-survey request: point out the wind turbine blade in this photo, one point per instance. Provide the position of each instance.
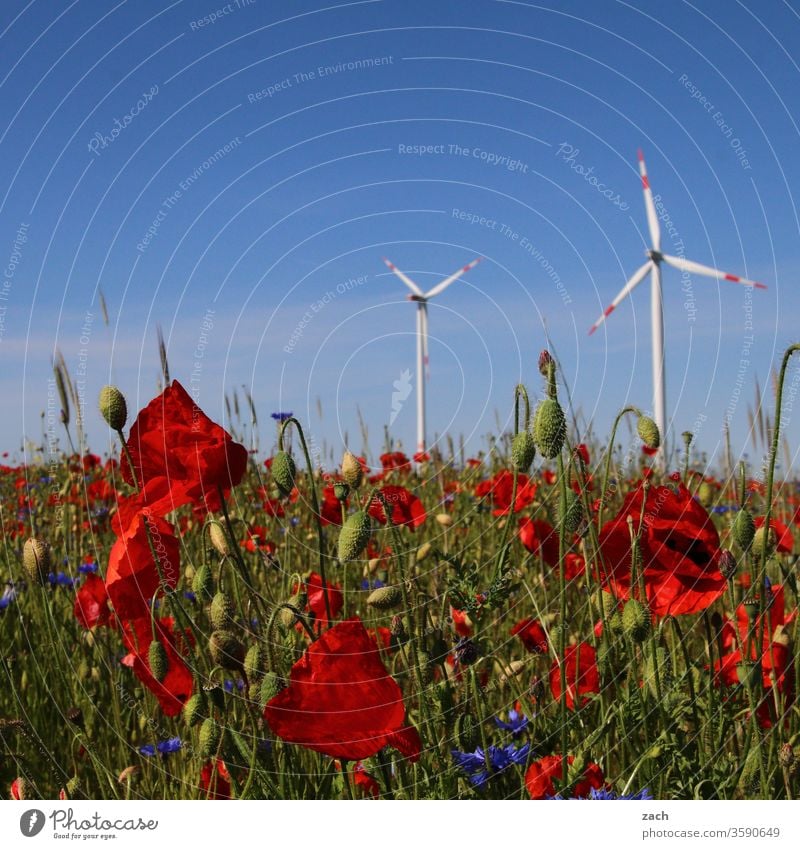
(440, 287)
(707, 271)
(407, 280)
(424, 329)
(637, 278)
(649, 204)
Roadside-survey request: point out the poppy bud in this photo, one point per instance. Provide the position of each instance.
(758, 540)
(73, 785)
(705, 494)
(254, 662)
(203, 583)
(354, 536)
(209, 738)
(749, 673)
(523, 451)
(283, 472)
(423, 551)
(398, 631)
(341, 491)
(786, 756)
(648, 432)
(127, 774)
(727, 564)
(636, 620)
(219, 539)
(549, 428)
(744, 529)
(113, 407)
(606, 602)
(270, 687)
(426, 668)
(385, 598)
(21, 789)
(194, 709)
(545, 359)
(444, 519)
(352, 472)
(537, 690)
(157, 660)
(221, 611)
(75, 716)
(573, 514)
(226, 651)
(36, 560)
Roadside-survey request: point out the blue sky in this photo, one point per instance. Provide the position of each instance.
(220, 169)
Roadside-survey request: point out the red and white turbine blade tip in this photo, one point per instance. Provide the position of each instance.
(440, 287)
(634, 281)
(707, 271)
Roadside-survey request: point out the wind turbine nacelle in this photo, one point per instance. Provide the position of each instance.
(656, 256)
(418, 298)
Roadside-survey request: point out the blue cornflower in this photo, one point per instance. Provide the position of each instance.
(722, 508)
(9, 595)
(499, 757)
(465, 652)
(608, 795)
(372, 584)
(165, 747)
(281, 417)
(229, 685)
(189, 596)
(87, 568)
(61, 580)
(517, 722)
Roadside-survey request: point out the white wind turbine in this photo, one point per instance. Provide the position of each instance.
(421, 298)
(653, 267)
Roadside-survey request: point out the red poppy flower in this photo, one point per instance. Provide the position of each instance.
(461, 623)
(91, 603)
(316, 598)
(583, 452)
(395, 461)
(500, 489)
(679, 547)
(330, 509)
(540, 538)
(176, 686)
(133, 576)
(785, 540)
(582, 675)
(422, 457)
(215, 780)
(341, 701)
(172, 438)
(365, 783)
(540, 775)
(532, 634)
(406, 508)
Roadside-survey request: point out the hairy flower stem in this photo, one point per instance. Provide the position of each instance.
(562, 617)
(315, 507)
(609, 457)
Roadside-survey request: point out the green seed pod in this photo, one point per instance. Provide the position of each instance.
(284, 472)
(209, 738)
(222, 611)
(219, 539)
(226, 651)
(341, 491)
(573, 514)
(648, 432)
(385, 598)
(194, 709)
(255, 662)
(352, 472)
(549, 428)
(353, 536)
(270, 687)
(705, 494)
(727, 564)
(113, 407)
(744, 529)
(636, 620)
(37, 560)
(203, 583)
(157, 660)
(523, 451)
(606, 602)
